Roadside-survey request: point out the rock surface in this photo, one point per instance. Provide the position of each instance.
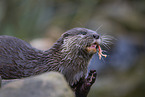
(50, 84)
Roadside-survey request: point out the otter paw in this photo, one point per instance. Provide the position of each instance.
(89, 81)
(92, 77)
(83, 89)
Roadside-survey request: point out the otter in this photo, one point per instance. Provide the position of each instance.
(70, 55)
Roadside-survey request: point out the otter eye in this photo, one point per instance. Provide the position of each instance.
(83, 33)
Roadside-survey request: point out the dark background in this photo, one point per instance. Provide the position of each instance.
(41, 22)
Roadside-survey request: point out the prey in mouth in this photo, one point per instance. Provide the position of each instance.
(95, 47)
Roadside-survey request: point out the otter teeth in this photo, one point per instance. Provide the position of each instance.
(93, 46)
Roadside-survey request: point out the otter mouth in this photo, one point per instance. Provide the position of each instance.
(94, 47)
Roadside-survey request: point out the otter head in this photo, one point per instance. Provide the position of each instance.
(81, 40)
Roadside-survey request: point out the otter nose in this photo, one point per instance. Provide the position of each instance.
(95, 36)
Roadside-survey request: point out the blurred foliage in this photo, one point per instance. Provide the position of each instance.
(123, 73)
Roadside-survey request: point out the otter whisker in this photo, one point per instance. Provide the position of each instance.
(106, 46)
(99, 27)
(105, 38)
(108, 42)
(108, 37)
(105, 43)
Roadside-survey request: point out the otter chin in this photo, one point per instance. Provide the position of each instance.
(70, 55)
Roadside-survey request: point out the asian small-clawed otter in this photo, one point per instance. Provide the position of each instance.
(70, 55)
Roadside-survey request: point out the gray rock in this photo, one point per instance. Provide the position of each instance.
(4, 82)
(50, 84)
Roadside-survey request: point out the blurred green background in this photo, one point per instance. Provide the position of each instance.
(41, 22)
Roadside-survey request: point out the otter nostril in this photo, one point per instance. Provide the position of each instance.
(96, 36)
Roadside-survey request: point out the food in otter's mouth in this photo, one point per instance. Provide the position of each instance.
(93, 48)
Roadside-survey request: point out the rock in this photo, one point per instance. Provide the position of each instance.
(4, 82)
(50, 84)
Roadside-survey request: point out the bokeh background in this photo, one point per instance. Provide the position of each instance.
(41, 23)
